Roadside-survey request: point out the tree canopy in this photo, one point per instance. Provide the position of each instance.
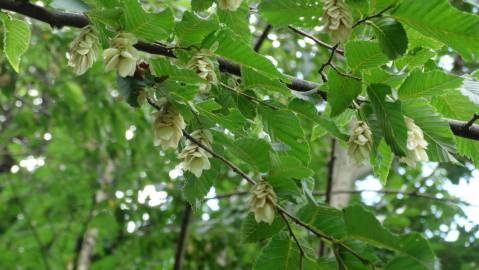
(238, 134)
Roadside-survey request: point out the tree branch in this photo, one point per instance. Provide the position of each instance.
(329, 187)
(469, 123)
(60, 19)
(262, 38)
(32, 228)
(181, 242)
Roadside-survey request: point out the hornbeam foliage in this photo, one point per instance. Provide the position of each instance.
(212, 98)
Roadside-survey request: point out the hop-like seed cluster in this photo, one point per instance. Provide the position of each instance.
(168, 126)
(337, 20)
(416, 144)
(122, 55)
(262, 202)
(229, 4)
(195, 159)
(204, 67)
(84, 50)
(360, 141)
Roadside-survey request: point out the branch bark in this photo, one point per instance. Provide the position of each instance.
(182, 237)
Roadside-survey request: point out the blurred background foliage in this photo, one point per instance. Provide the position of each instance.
(66, 141)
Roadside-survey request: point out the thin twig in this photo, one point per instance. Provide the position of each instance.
(293, 235)
(81, 237)
(221, 158)
(471, 122)
(329, 187)
(316, 40)
(344, 74)
(182, 237)
(332, 159)
(329, 61)
(262, 38)
(249, 97)
(35, 234)
(379, 14)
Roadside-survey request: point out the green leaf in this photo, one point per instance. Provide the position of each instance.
(415, 58)
(308, 110)
(305, 13)
(417, 39)
(191, 30)
(454, 105)
(325, 219)
(289, 167)
(233, 121)
(107, 16)
(401, 263)
(179, 90)
(283, 126)
(379, 5)
(200, 5)
(281, 253)
(432, 83)
(362, 225)
(389, 116)
(342, 91)
(392, 37)
(130, 88)
(227, 44)
(16, 40)
(468, 148)
(252, 231)
(439, 20)
(253, 79)
(379, 75)
(237, 21)
(470, 89)
(285, 188)
(148, 26)
(364, 54)
(254, 152)
(195, 189)
(436, 130)
(163, 67)
(381, 161)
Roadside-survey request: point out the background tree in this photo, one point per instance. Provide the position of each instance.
(151, 167)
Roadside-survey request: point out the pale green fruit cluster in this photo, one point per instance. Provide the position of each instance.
(262, 202)
(204, 67)
(195, 159)
(360, 141)
(122, 56)
(168, 126)
(229, 4)
(416, 144)
(337, 20)
(84, 50)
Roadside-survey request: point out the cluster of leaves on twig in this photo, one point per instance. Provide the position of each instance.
(384, 98)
